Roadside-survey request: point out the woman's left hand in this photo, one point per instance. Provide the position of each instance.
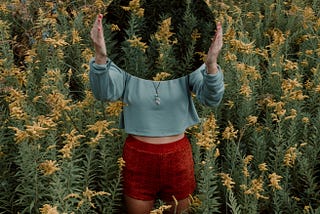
(214, 50)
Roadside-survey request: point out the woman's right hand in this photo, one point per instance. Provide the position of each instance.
(98, 41)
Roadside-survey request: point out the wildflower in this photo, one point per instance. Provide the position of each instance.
(87, 54)
(102, 127)
(248, 159)
(290, 66)
(58, 104)
(72, 141)
(48, 167)
(161, 76)
(114, 27)
(207, 138)
(121, 163)
(217, 153)
(195, 35)
(255, 189)
(242, 46)
(20, 135)
(231, 57)
(35, 131)
(164, 33)
(263, 167)
(161, 209)
(136, 42)
(293, 114)
(56, 42)
(274, 181)
(87, 196)
(230, 103)
(252, 120)
(134, 6)
(48, 209)
(290, 157)
(246, 90)
(229, 133)
(227, 181)
(75, 36)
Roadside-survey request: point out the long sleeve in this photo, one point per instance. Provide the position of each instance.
(209, 88)
(107, 81)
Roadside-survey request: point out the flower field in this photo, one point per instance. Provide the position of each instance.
(258, 152)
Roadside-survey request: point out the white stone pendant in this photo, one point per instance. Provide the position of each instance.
(157, 99)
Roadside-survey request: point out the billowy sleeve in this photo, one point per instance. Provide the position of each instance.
(209, 88)
(107, 81)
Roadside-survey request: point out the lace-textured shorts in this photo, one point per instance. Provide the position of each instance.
(158, 171)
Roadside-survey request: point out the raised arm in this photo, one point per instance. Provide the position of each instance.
(207, 81)
(106, 79)
(98, 41)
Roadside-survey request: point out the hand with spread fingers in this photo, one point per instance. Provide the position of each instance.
(98, 40)
(214, 50)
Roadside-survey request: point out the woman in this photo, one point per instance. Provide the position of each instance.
(157, 153)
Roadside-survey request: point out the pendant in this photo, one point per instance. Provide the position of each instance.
(157, 99)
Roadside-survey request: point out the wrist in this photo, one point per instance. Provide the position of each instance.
(99, 59)
(212, 68)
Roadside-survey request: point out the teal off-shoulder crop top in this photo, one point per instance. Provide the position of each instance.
(156, 108)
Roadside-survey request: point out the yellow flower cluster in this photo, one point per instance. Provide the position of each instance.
(86, 197)
(48, 209)
(163, 34)
(256, 188)
(136, 42)
(290, 156)
(227, 181)
(274, 181)
(230, 133)
(161, 76)
(134, 6)
(71, 142)
(48, 167)
(208, 136)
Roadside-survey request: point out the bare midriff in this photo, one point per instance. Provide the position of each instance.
(159, 140)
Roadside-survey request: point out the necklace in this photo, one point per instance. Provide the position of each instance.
(156, 98)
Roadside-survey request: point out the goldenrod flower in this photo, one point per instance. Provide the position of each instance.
(229, 133)
(86, 196)
(102, 127)
(48, 209)
(114, 27)
(263, 167)
(227, 181)
(245, 90)
(48, 167)
(207, 138)
(255, 189)
(163, 34)
(136, 42)
(290, 156)
(134, 6)
(75, 36)
(274, 181)
(161, 76)
(72, 141)
(121, 163)
(305, 120)
(161, 209)
(293, 114)
(252, 120)
(20, 135)
(87, 54)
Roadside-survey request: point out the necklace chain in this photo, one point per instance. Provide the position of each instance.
(157, 98)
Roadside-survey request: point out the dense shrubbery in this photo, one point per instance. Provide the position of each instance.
(258, 152)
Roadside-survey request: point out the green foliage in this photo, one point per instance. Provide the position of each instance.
(60, 148)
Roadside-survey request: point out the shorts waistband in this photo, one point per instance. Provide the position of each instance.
(158, 148)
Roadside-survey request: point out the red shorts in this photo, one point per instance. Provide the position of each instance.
(153, 170)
